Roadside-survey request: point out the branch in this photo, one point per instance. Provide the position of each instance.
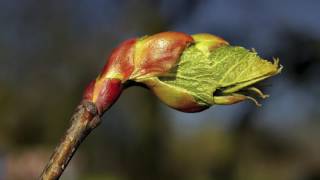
(83, 121)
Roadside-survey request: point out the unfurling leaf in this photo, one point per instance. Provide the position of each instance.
(228, 69)
(188, 73)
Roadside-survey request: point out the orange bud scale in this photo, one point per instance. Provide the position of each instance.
(133, 59)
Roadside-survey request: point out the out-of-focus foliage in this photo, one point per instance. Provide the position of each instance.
(49, 51)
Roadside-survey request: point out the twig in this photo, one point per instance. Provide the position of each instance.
(83, 121)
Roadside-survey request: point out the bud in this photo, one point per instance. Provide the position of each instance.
(188, 73)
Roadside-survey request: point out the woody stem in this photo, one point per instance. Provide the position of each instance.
(83, 121)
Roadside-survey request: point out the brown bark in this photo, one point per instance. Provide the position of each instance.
(83, 121)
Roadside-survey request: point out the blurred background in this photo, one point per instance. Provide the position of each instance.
(50, 50)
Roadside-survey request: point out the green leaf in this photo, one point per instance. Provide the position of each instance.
(201, 74)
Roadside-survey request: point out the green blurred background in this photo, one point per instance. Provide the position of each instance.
(50, 50)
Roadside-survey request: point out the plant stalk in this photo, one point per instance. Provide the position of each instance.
(83, 121)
